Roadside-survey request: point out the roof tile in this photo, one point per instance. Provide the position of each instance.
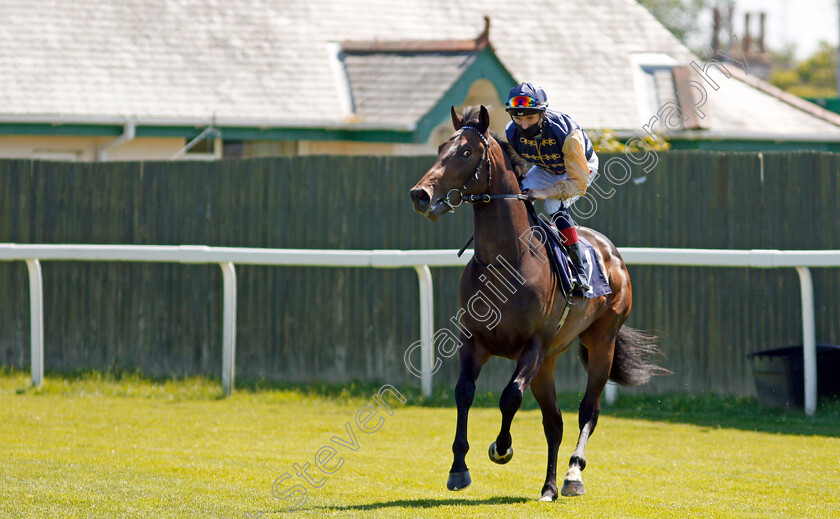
(252, 60)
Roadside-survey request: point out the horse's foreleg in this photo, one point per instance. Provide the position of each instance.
(501, 451)
(543, 389)
(471, 363)
(600, 361)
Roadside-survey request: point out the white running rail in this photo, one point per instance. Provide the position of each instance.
(420, 260)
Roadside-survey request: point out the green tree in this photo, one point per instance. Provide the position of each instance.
(816, 76)
(680, 17)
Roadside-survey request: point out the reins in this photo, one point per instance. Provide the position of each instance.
(486, 198)
(474, 199)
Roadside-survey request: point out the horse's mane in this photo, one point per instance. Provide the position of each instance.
(517, 163)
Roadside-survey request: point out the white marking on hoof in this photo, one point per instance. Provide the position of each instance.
(573, 484)
(501, 459)
(546, 498)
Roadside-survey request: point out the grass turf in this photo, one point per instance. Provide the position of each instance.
(98, 445)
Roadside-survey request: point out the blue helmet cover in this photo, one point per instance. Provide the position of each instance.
(531, 90)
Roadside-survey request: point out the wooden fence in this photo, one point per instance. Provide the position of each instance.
(337, 325)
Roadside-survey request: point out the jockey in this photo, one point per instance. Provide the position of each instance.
(563, 161)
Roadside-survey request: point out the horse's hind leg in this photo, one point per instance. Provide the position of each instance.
(472, 359)
(501, 451)
(600, 342)
(543, 389)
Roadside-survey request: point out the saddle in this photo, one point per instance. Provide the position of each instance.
(559, 258)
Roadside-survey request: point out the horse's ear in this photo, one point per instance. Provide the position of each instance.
(483, 119)
(457, 120)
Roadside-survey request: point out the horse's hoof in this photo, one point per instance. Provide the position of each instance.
(495, 457)
(572, 488)
(458, 480)
(549, 492)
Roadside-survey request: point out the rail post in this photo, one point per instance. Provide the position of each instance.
(228, 327)
(36, 320)
(424, 276)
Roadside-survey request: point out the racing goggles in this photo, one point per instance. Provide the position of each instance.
(522, 102)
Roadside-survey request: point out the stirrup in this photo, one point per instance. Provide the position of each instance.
(579, 281)
(583, 287)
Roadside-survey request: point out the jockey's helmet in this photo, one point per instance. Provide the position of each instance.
(526, 99)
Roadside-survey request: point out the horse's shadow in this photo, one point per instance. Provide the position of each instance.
(410, 503)
(430, 503)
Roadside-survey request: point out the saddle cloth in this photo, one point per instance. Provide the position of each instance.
(562, 265)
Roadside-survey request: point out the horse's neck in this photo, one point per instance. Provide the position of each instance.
(499, 224)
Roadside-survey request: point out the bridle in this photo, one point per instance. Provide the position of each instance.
(474, 176)
(484, 197)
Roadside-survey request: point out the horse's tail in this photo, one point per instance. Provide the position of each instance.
(633, 360)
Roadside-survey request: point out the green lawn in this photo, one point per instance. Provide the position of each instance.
(100, 446)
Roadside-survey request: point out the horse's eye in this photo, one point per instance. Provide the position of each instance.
(466, 153)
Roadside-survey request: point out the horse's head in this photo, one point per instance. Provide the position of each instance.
(456, 172)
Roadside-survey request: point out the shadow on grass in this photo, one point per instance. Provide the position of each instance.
(429, 503)
(402, 503)
(701, 409)
(728, 412)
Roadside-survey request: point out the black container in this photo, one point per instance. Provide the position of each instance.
(779, 374)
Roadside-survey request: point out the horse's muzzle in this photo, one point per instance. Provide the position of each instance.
(421, 199)
(424, 205)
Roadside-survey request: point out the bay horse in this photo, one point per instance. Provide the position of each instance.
(473, 163)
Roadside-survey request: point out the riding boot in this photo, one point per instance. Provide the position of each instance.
(575, 253)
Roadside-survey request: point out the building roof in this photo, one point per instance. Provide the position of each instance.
(320, 68)
(402, 82)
